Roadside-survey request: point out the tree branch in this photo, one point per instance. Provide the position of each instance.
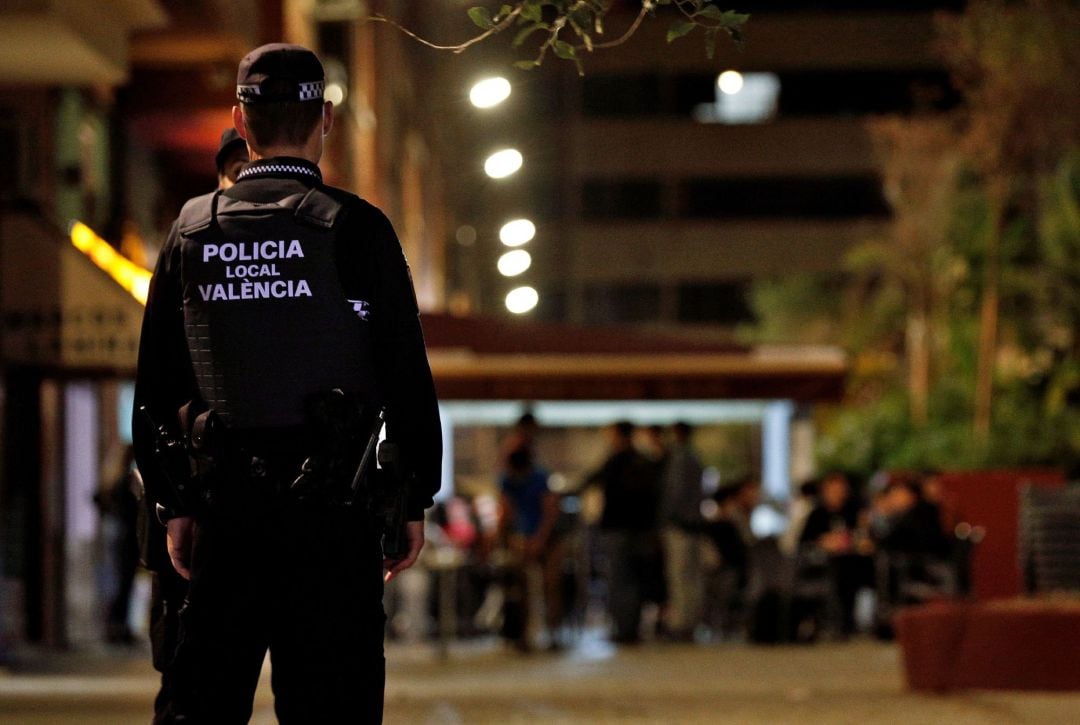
(460, 47)
(627, 35)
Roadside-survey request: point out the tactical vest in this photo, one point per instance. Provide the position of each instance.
(266, 319)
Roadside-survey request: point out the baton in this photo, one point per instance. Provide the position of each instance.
(369, 450)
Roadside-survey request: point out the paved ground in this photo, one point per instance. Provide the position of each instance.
(856, 682)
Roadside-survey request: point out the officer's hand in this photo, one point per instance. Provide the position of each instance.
(414, 530)
(180, 537)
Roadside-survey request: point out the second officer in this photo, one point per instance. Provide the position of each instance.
(281, 322)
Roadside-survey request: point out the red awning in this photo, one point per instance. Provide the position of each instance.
(495, 359)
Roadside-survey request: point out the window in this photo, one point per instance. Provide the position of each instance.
(16, 177)
(829, 197)
(791, 93)
(622, 303)
(741, 98)
(621, 199)
(719, 302)
(620, 96)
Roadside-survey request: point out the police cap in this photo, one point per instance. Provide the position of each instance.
(280, 72)
(230, 140)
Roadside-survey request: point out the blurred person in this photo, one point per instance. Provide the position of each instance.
(906, 522)
(628, 529)
(836, 528)
(730, 530)
(732, 540)
(522, 435)
(168, 588)
(738, 508)
(913, 549)
(119, 507)
(282, 380)
(680, 517)
(459, 526)
(935, 497)
(654, 445)
(801, 505)
(231, 158)
(530, 510)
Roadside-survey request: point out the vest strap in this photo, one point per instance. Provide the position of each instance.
(318, 209)
(198, 214)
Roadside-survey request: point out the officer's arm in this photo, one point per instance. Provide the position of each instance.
(164, 379)
(412, 416)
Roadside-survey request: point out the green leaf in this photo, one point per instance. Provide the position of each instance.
(581, 17)
(732, 19)
(736, 37)
(504, 12)
(532, 11)
(524, 33)
(481, 17)
(526, 64)
(710, 42)
(725, 18)
(709, 11)
(678, 29)
(565, 50)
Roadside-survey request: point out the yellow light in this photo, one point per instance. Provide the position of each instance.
(335, 93)
(503, 163)
(521, 299)
(517, 232)
(490, 92)
(127, 274)
(514, 263)
(730, 82)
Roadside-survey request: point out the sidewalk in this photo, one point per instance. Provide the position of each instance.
(857, 682)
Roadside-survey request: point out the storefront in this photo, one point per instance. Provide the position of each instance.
(69, 340)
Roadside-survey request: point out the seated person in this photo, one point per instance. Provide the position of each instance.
(835, 527)
(913, 549)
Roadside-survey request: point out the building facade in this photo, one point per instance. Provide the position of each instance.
(659, 192)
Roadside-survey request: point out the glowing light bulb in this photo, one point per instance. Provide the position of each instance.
(517, 232)
(503, 163)
(522, 299)
(490, 92)
(730, 82)
(514, 263)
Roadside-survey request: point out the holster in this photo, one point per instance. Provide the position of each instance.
(339, 425)
(205, 436)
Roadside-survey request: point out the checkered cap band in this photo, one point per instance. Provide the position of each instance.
(312, 91)
(252, 92)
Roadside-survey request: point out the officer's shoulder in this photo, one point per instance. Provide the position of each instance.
(356, 207)
(195, 214)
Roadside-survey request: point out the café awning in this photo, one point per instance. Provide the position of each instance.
(505, 359)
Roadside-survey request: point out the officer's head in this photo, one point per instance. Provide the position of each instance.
(231, 156)
(282, 110)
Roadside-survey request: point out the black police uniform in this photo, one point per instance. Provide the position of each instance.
(168, 588)
(268, 293)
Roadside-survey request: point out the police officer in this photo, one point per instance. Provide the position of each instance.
(231, 157)
(269, 299)
(168, 587)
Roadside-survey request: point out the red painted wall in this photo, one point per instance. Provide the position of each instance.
(991, 499)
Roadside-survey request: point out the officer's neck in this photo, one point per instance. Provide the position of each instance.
(311, 150)
(296, 152)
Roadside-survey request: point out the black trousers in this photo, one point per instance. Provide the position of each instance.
(167, 596)
(300, 580)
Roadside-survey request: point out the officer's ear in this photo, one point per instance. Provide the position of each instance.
(238, 122)
(327, 117)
